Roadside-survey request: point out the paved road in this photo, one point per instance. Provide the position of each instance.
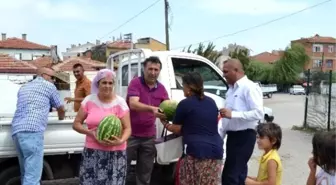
(296, 146)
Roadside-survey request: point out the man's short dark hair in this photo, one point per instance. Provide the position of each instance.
(272, 131)
(154, 60)
(77, 65)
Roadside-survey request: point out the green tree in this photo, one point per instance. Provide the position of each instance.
(284, 72)
(99, 53)
(258, 71)
(208, 51)
(242, 55)
(290, 65)
(255, 70)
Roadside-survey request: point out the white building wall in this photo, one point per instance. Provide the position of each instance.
(72, 52)
(25, 54)
(11, 83)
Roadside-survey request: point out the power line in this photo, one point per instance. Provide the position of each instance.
(259, 25)
(129, 20)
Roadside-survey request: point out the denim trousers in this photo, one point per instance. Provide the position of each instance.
(29, 147)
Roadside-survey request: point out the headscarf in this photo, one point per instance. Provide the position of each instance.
(100, 75)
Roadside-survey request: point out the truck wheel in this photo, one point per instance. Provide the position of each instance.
(269, 95)
(11, 176)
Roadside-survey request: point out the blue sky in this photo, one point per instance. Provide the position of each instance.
(65, 22)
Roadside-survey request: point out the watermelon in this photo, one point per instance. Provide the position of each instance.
(108, 127)
(168, 107)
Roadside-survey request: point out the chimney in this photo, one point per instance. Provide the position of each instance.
(54, 56)
(3, 36)
(24, 36)
(97, 42)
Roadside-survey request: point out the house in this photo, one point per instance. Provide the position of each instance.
(13, 73)
(10, 65)
(79, 49)
(91, 68)
(321, 50)
(150, 43)
(232, 47)
(22, 49)
(267, 57)
(118, 45)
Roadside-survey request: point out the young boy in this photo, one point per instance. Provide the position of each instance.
(270, 167)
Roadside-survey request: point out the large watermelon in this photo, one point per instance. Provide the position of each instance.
(109, 126)
(169, 108)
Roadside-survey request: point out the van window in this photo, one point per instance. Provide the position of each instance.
(212, 91)
(209, 75)
(134, 73)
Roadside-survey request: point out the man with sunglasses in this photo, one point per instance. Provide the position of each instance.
(35, 99)
(83, 86)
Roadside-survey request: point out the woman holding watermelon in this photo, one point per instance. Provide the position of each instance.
(103, 161)
(196, 120)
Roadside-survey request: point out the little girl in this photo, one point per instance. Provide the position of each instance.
(324, 157)
(270, 167)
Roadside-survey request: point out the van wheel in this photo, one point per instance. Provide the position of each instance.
(11, 176)
(269, 95)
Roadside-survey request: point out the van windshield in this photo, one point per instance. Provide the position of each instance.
(210, 76)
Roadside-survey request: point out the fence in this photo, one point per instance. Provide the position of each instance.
(320, 109)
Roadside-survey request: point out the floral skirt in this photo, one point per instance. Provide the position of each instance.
(103, 167)
(194, 171)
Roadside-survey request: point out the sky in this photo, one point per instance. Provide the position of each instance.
(66, 22)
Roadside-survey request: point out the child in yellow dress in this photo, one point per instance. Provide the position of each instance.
(270, 167)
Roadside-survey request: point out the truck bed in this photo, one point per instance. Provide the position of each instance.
(59, 137)
(269, 88)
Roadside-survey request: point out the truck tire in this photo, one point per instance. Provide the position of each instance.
(11, 176)
(269, 95)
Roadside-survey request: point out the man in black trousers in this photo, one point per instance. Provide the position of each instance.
(243, 109)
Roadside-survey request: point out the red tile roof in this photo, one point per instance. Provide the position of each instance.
(16, 43)
(317, 39)
(88, 64)
(267, 57)
(120, 44)
(11, 65)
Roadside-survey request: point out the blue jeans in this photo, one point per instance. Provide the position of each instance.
(29, 147)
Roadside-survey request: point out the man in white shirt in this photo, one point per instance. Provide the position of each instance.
(243, 109)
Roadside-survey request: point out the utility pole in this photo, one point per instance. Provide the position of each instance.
(166, 6)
